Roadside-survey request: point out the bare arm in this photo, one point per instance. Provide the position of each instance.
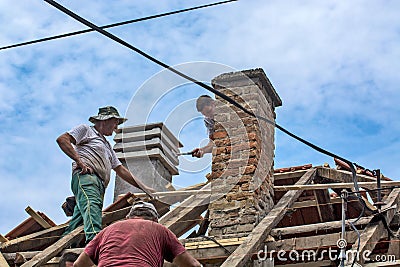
(199, 152)
(83, 261)
(65, 142)
(186, 260)
(126, 175)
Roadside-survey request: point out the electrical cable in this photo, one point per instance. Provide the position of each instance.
(216, 242)
(113, 25)
(201, 84)
(209, 88)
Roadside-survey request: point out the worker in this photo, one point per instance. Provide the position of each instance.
(206, 105)
(67, 259)
(137, 241)
(93, 159)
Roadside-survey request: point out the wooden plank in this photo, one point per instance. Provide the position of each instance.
(30, 254)
(178, 219)
(30, 242)
(383, 263)
(3, 262)
(324, 206)
(56, 248)
(374, 232)
(254, 241)
(177, 193)
(37, 218)
(315, 228)
(3, 239)
(313, 203)
(342, 176)
(369, 185)
(72, 237)
(309, 264)
(394, 248)
(289, 175)
(204, 224)
(208, 251)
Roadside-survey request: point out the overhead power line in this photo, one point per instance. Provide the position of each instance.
(228, 99)
(205, 86)
(45, 39)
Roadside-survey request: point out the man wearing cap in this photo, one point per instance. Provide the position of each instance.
(138, 241)
(93, 159)
(206, 106)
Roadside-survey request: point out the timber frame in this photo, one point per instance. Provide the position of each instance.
(305, 217)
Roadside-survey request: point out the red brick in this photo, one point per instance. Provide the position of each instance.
(219, 135)
(249, 169)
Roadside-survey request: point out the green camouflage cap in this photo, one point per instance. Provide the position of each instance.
(106, 113)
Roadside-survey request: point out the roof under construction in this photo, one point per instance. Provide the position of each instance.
(247, 213)
(306, 217)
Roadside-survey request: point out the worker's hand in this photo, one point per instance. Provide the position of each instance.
(149, 191)
(85, 169)
(197, 152)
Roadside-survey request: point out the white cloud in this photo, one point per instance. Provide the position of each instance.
(334, 64)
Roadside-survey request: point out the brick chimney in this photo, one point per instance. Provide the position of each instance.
(243, 155)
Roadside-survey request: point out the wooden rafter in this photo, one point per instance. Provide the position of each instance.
(342, 176)
(37, 218)
(186, 215)
(324, 206)
(3, 262)
(3, 239)
(334, 185)
(253, 242)
(51, 251)
(72, 237)
(32, 241)
(210, 252)
(315, 227)
(374, 232)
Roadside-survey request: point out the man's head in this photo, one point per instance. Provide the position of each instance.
(143, 210)
(107, 120)
(67, 259)
(205, 105)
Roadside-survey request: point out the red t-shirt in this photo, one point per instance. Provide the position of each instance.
(134, 242)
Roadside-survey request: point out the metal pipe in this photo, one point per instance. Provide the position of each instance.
(342, 243)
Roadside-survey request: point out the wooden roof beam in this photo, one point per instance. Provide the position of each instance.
(342, 176)
(3, 262)
(3, 239)
(33, 240)
(210, 252)
(374, 232)
(181, 218)
(371, 185)
(37, 218)
(51, 251)
(324, 206)
(72, 237)
(254, 241)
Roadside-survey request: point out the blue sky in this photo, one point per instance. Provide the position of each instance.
(334, 64)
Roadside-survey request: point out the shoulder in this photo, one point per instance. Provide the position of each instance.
(81, 127)
(162, 229)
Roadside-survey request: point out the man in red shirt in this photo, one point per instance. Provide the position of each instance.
(139, 241)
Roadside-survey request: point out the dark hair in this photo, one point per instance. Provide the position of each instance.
(143, 213)
(68, 256)
(203, 101)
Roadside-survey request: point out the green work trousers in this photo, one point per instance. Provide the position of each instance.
(89, 194)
